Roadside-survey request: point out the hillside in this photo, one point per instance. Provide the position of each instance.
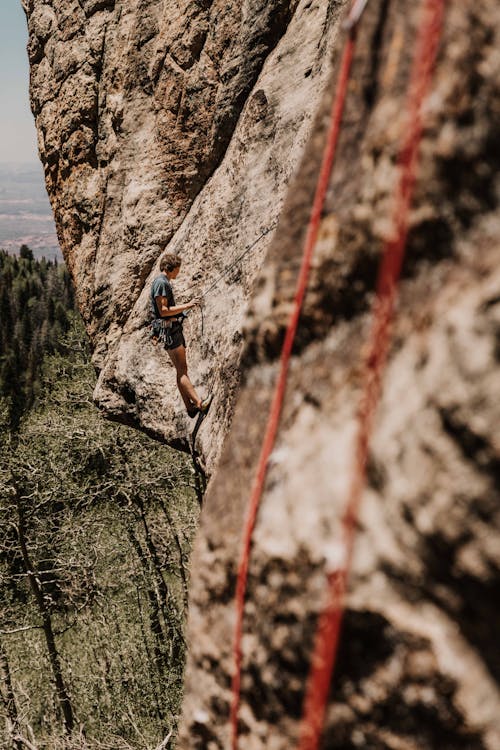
(96, 527)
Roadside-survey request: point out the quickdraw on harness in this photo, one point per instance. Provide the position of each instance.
(163, 329)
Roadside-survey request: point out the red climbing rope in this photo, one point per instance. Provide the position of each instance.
(328, 630)
(279, 391)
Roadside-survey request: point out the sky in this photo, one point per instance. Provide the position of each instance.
(17, 127)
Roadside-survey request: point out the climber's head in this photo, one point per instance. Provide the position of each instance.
(170, 264)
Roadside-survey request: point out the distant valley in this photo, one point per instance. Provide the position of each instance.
(25, 213)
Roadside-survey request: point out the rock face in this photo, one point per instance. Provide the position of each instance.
(179, 123)
(203, 124)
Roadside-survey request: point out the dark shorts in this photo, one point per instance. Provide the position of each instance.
(175, 338)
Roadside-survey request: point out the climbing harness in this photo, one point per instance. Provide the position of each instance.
(163, 329)
(328, 629)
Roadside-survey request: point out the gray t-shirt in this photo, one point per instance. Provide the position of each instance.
(160, 287)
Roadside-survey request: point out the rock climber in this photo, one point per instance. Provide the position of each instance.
(167, 328)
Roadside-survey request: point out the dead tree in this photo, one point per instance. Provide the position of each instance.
(9, 701)
(44, 612)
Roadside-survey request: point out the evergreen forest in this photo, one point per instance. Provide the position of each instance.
(96, 527)
(36, 299)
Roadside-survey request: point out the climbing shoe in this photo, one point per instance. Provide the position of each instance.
(205, 404)
(193, 412)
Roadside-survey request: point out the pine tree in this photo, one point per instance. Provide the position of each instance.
(26, 253)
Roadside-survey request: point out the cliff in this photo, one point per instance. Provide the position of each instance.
(178, 123)
(203, 124)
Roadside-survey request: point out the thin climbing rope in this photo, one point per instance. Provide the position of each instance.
(230, 267)
(279, 391)
(239, 258)
(328, 629)
(225, 271)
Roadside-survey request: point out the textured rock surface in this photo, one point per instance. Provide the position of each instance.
(186, 121)
(181, 122)
(419, 661)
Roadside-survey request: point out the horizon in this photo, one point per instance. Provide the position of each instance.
(35, 162)
(21, 163)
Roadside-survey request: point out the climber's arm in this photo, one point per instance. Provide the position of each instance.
(169, 312)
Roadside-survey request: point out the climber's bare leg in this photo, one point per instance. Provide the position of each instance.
(186, 388)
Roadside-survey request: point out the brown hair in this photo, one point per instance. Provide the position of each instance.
(170, 261)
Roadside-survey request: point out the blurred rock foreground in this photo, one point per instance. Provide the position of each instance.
(202, 123)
